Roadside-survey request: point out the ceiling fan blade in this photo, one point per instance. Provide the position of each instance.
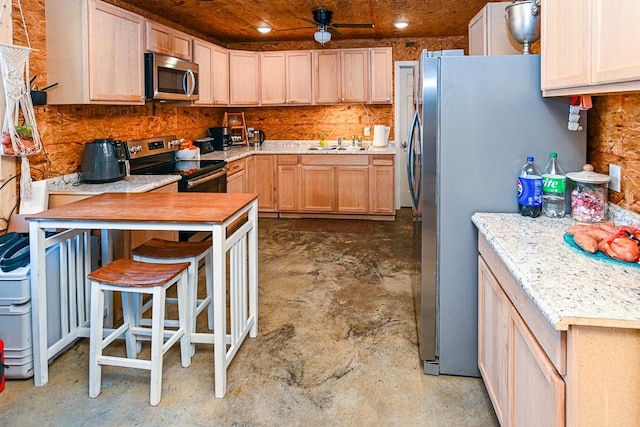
(310, 21)
(353, 25)
(334, 32)
(295, 28)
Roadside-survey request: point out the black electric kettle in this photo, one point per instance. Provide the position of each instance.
(104, 160)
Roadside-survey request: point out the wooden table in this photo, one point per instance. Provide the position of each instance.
(212, 212)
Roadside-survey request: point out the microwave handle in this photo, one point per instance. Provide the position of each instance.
(185, 86)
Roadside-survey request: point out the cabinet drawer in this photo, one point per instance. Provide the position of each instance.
(334, 159)
(288, 159)
(236, 166)
(554, 343)
(382, 160)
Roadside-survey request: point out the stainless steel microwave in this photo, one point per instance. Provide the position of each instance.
(170, 79)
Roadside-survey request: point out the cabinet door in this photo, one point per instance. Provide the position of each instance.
(158, 38)
(615, 25)
(298, 78)
(288, 187)
(236, 183)
(352, 189)
(317, 185)
(115, 54)
(537, 395)
(273, 88)
(181, 45)
(203, 56)
(262, 181)
(220, 76)
(243, 78)
(381, 75)
(355, 75)
(326, 77)
(565, 43)
(382, 190)
(493, 318)
(477, 29)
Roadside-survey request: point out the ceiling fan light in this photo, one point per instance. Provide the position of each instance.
(401, 24)
(264, 29)
(322, 36)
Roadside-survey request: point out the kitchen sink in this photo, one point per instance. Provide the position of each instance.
(351, 148)
(336, 148)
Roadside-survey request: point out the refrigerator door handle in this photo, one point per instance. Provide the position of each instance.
(411, 160)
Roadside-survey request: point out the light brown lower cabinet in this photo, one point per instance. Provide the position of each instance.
(584, 373)
(524, 386)
(261, 175)
(336, 184)
(236, 176)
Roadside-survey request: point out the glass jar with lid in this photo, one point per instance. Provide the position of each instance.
(589, 195)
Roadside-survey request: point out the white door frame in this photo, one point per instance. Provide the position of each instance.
(399, 92)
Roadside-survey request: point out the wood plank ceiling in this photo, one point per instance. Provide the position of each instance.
(235, 21)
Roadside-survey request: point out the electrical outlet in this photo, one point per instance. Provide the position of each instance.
(614, 174)
(367, 131)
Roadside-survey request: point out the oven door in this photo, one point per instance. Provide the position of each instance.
(215, 182)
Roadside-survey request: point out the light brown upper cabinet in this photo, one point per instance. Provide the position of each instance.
(381, 83)
(95, 53)
(285, 78)
(165, 40)
(244, 78)
(588, 47)
(213, 77)
(340, 75)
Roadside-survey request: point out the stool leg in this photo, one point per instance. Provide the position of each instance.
(157, 340)
(129, 312)
(183, 304)
(95, 339)
(209, 284)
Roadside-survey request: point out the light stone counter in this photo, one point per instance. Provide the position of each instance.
(134, 184)
(295, 147)
(567, 286)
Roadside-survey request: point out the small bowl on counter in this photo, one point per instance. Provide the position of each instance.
(188, 154)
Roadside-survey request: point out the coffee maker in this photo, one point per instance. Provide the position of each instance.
(221, 137)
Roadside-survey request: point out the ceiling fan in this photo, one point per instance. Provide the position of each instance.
(322, 19)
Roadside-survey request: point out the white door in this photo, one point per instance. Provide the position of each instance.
(404, 71)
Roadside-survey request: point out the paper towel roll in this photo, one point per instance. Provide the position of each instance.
(380, 136)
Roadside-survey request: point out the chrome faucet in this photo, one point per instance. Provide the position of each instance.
(339, 141)
(353, 140)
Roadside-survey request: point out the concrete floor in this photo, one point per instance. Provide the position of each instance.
(336, 347)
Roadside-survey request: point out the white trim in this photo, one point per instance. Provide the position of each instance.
(397, 66)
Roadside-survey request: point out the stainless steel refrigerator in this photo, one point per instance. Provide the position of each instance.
(477, 119)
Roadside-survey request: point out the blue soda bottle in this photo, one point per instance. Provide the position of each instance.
(530, 189)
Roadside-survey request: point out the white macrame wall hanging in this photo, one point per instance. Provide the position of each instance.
(18, 140)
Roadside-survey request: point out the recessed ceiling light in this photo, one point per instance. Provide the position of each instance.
(401, 24)
(264, 29)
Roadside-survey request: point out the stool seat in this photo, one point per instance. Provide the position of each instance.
(168, 249)
(135, 279)
(126, 272)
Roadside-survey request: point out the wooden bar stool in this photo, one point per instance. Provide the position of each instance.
(135, 278)
(168, 251)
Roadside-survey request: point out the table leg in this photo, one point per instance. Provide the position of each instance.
(253, 269)
(38, 303)
(218, 255)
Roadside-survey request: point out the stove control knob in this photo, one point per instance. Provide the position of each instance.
(135, 149)
(174, 143)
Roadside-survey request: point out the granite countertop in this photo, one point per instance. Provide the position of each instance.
(142, 183)
(568, 286)
(295, 147)
(132, 184)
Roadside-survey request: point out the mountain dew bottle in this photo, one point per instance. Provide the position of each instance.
(554, 188)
